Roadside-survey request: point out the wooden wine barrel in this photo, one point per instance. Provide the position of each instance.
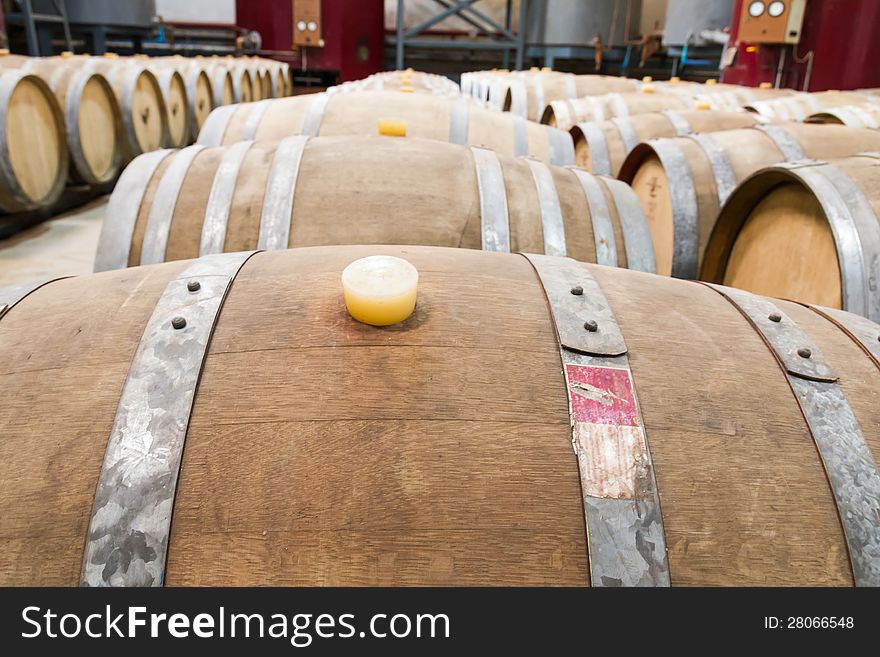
(144, 118)
(177, 105)
(565, 114)
(222, 84)
(407, 80)
(807, 231)
(601, 147)
(225, 422)
(456, 120)
(529, 94)
(199, 90)
(174, 205)
(244, 88)
(92, 121)
(799, 106)
(34, 161)
(683, 182)
(854, 116)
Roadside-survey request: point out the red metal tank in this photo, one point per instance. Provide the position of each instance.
(840, 34)
(352, 31)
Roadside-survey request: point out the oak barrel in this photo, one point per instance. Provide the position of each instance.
(33, 152)
(300, 447)
(177, 105)
(807, 231)
(92, 120)
(799, 106)
(567, 113)
(457, 120)
(175, 205)
(528, 94)
(199, 89)
(602, 146)
(682, 182)
(144, 117)
(854, 116)
(222, 84)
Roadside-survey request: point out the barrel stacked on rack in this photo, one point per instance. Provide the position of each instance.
(78, 119)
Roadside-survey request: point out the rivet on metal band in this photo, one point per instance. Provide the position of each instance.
(127, 543)
(722, 169)
(627, 132)
(551, 213)
(686, 235)
(315, 115)
(494, 217)
(459, 118)
(220, 198)
(277, 214)
(214, 129)
(861, 330)
(12, 294)
(252, 123)
(165, 200)
(600, 218)
(789, 147)
(624, 523)
(114, 244)
(849, 465)
(679, 123)
(637, 240)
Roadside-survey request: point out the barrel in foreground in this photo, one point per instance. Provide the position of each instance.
(293, 445)
(456, 120)
(808, 231)
(302, 191)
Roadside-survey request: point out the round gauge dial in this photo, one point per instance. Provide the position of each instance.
(756, 8)
(776, 8)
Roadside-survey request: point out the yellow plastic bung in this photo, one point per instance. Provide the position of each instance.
(407, 90)
(66, 53)
(703, 105)
(111, 55)
(711, 81)
(4, 52)
(534, 69)
(380, 290)
(392, 128)
(647, 78)
(546, 69)
(675, 79)
(648, 89)
(765, 85)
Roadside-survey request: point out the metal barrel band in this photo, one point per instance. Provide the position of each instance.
(789, 147)
(624, 524)
(114, 244)
(846, 457)
(679, 123)
(161, 213)
(722, 169)
(637, 240)
(686, 231)
(539, 96)
(252, 124)
(459, 118)
(277, 213)
(214, 129)
(494, 215)
(13, 294)
(551, 212)
(866, 119)
(127, 541)
(520, 136)
(600, 218)
(561, 146)
(627, 132)
(856, 235)
(600, 155)
(315, 115)
(220, 199)
(571, 86)
(562, 112)
(861, 330)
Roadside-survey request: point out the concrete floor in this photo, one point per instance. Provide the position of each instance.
(62, 246)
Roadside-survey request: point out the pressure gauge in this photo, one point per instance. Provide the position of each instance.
(776, 8)
(756, 8)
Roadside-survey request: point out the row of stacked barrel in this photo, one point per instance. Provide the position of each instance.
(80, 119)
(319, 450)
